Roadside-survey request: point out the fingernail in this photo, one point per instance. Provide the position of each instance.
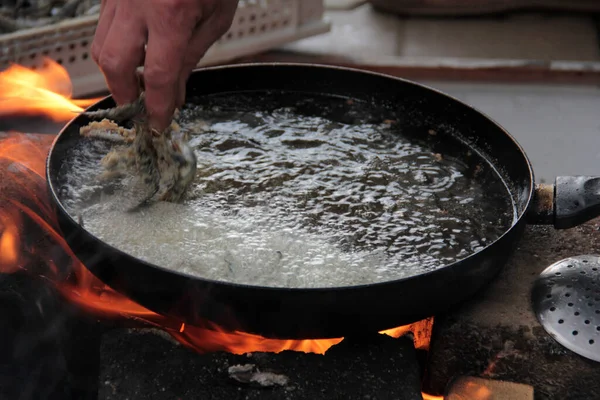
(156, 125)
(155, 132)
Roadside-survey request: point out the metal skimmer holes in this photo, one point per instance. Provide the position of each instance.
(566, 300)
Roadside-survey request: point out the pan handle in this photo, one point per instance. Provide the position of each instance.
(570, 201)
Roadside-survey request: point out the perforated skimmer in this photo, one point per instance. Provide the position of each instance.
(566, 300)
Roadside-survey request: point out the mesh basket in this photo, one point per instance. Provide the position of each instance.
(257, 26)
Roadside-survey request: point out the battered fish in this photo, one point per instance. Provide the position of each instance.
(164, 161)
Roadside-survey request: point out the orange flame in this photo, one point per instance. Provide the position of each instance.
(470, 390)
(9, 245)
(22, 161)
(47, 92)
(431, 397)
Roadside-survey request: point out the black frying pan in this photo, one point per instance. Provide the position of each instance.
(333, 312)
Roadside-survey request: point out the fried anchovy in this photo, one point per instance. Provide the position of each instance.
(165, 162)
(91, 10)
(8, 25)
(26, 14)
(69, 9)
(119, 113)
(34, 9)
(6, 11)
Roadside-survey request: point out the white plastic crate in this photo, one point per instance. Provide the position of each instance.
(258, 26)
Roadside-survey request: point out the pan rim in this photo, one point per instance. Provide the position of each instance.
(515, 224)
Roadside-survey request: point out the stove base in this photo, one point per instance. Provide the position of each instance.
(497, 336)
(142, 365)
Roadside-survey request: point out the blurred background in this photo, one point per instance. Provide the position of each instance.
(530, 65)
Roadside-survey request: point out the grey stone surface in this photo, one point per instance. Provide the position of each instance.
(497, 336)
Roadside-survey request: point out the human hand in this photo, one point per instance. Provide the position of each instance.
(167, 37)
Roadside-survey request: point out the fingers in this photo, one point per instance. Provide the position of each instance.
(162, 68)
(164, 63)
(107, 13)
(122, 52)
(102, 7)
(120, 58)
(174, 47)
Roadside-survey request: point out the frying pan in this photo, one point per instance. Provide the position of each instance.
(305, 313)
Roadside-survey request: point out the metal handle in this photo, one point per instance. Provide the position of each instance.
(569, 202)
